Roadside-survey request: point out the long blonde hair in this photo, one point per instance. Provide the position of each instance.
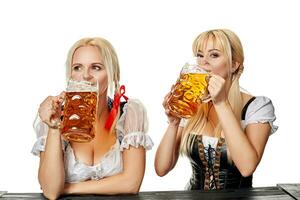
(232, 48)
(110, 61)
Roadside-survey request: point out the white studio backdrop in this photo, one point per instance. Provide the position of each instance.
(153, 39)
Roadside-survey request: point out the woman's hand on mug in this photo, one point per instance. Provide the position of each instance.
(171, 118)
(216, 88)
(50, 110)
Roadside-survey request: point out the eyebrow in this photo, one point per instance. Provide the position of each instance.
(96, 63)
(209, 50)
(76, 64)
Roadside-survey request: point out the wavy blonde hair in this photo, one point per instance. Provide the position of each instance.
(231, 46)
(110, 61)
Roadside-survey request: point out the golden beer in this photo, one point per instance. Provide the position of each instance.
(79, 114)
(189, 91)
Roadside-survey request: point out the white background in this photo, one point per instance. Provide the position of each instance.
(153, 40)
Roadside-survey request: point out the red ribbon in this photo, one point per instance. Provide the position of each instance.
(116, 103)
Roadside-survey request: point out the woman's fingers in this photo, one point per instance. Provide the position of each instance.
(50, 109)
(167, 111)
(216, 88)
(169, 114)
(61, 96)
(166, 98)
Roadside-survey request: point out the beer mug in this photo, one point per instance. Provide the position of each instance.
(189, 91)
(79, 111)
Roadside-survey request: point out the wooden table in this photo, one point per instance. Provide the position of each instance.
(291, 189)
(281, 191)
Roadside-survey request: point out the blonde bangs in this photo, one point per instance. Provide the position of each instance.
(219, 39)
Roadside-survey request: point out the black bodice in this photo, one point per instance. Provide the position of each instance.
(216, 172)
(211, 168)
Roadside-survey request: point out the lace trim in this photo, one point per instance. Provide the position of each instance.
(136, 139)
(273, 126)
(135, 104)
(40, 144)
(106, 156)
(210, 158)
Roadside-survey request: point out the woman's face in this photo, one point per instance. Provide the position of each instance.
(213, 59)
(87, 65)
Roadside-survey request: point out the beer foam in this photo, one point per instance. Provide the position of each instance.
(81, 86)
(192, 66)
(193, 69)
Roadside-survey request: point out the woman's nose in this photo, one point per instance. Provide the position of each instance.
(204, 63)
(87, 75)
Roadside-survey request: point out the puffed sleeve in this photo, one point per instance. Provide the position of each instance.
(132, 126)
(261, 110)
(41, 130)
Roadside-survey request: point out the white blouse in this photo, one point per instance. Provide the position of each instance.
(260, 110)
(131, 130)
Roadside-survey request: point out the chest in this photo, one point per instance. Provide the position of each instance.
(91, 153)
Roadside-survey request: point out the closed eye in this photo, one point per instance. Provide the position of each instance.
(199, 55)
(214, 55)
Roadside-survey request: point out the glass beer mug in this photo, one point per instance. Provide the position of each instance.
(189, 91)
(79, 111)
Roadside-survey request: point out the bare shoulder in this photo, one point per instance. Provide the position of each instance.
(246, 97)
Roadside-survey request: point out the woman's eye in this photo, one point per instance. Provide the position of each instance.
(199, 55)
(96, 67)
(76, 68)
(214, 55)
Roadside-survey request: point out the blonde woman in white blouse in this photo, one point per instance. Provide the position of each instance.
(225, 140)
(114, 161)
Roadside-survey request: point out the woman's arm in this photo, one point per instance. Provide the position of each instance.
(51, 173)
(246, 148)
(127, 182)
(168, 150)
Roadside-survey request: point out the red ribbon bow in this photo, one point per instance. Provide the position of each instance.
(116, 103)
